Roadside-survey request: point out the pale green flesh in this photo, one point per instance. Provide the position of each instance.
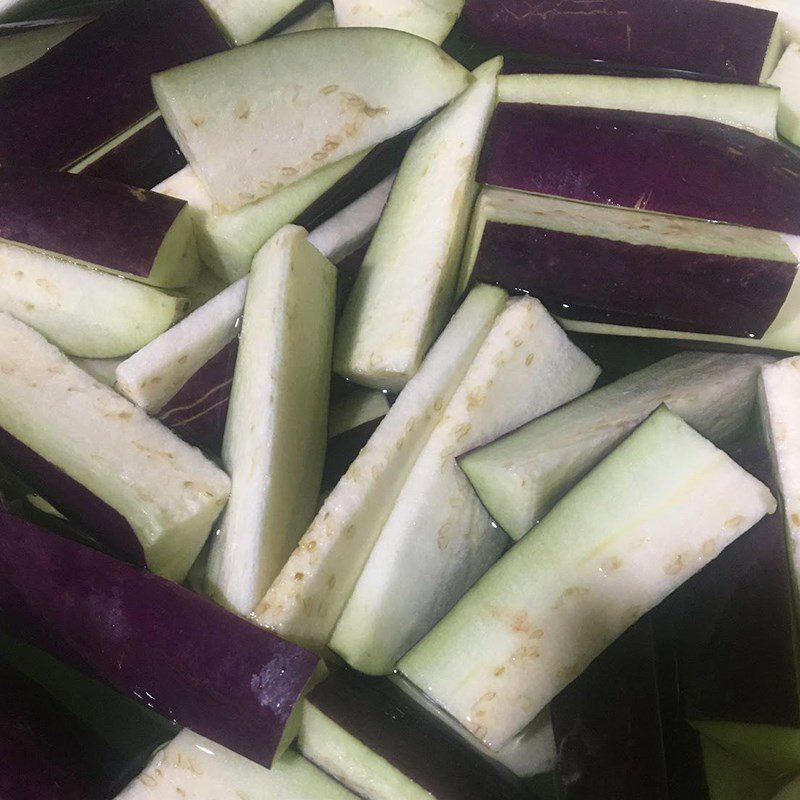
(405, 288)
(358, 408)
(790, 791)
(275, 433)
(430, 19)
(322, 17)
(351, 762)
(243, 21)
(336, 546)
(754, 108)
(20, 49)
(649, 516)
(520, 476)
(191, 767)
(85, 312)
(729, 778)
(258, 118)
(101, 369)
(438, 539)
(228, 242)
(787, 77)
(171, 494)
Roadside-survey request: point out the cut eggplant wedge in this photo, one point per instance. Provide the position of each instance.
(356, 408)
(95, 86)
(695, 36)
(673, 165)
(163, 510)
(657, 509)
(275, 434)
(405, 288)
(430, 20)
(119, 229)
(196, 768)
(730, 778)
(438, 539)
(244, 21)
(229, 242)
(520, 476)
(334, 549)
(103, 370)
(754, 108)
(289, 115)
(787, 78)
(154, 640)
(17, 50)
(85, 312)
(320, 18)
(373, 738)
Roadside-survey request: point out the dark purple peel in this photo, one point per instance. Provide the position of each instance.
(347, 271)
(87, 219)
(635, 285)
(607, 725)
(700, 36)
(71, 498)
(152, 640)
(384, 719)
(197, 413)
(146, 159)
(42, 752)
(654, 162)
(96, 84)
(343, 449)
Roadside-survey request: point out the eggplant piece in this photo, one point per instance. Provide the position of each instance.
(244, 21)
(104, 225)
(333, 551)
(164, 509)
(786, 77)
(367, 86)
(96, 84)
(276, 428)
(728, 778)
(356, 408)
(729, 42)
(323, 16)
(196, 768)
(41, 750)
(404, 291)
(438, 539)
(753, 108)
(374, 739)
(103, 370)
(144, 159)
(650, 515)
(107, 618)
(789, 791)
(674, 165)
(520, 476)
(432, 21)
(17, 50)
(788, 15)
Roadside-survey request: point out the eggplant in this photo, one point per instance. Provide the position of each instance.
(521, 475)
(164, 509)
(337, 544)
(728, 42)
(103, 370)
(438, 539)
(95, 85)
(248, 146)
(674, 165)
(17, 50)
(786, 78)
(371, 736)
(788, 15)
(108, 618)
(790, 790)
(650, 515)
(432, 21)
(323, 16)
(104, 225)
(404, 291)
(729, 778)
(244, 21)
(753, 108)
(275, 432)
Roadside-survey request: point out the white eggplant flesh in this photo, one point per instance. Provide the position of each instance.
(430, 19)
(787, 78)
(103, 370)
(355, 409)
(243, 21)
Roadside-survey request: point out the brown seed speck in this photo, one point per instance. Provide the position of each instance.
(795, 518)
(320, 156)
(288, 172)
(499, 672)
(371, 111)
(183, 359)
(709, 548)
(529, 359)
(734, 522)
(611, 564)
(148, 780)
(329, 89)
(298, 576)
(311, 546)
(331, 582)
(675, 566)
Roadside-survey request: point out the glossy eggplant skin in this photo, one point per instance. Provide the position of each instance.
(695, 36)
(98, 222)
(96, 84)
(42, 747)
(177, 653)
(655, 162)
(636, 285)
(385, 719)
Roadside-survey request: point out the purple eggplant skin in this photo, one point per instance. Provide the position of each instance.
(104, 223)
(186, 658)
(607, 725)
(637, 285)
(96, 84)
(347, 272)
(383, 718)
(655, 162)
(198, 411)
(699, 36)
(41, 750)
(144, 160)
(343, 449)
